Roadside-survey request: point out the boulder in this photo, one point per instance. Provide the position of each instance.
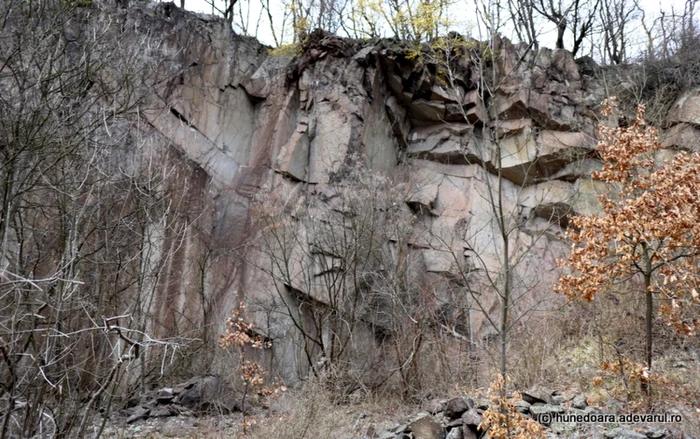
(614, 406)
(538, 395)
(474, 108)
(542, 409)
(162, 412)
(624, 433)
(656, 433)
(427, 428)
(454, 198)
(579, 402)
(456, 406)
(138, 413)
(165, 395)
(472, 418)
(562, 428)
(686, 108)
(559, 399)
(199, 392)
(363, 55)
(587, 66)
(522, 407)
(682, 136)
(455, 433)
(435, 405)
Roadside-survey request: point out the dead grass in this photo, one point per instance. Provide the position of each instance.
(312, 411)
(561, 350)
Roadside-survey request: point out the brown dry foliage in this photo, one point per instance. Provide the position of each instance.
(241, 334)
(502, 421)
(650, 226)
(632, 377)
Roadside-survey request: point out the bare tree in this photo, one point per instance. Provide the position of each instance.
(522, 15)
(82, 213)
(343, 274)
(689, 35)
(671, 32)
(223, 8)
(615, 18)
(323, 258)
(576, 16)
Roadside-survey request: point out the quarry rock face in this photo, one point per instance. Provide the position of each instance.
(265, 128)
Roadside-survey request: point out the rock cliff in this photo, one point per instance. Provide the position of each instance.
(473, 146)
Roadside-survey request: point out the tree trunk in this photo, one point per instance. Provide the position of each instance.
(648, 317)
(561, 29)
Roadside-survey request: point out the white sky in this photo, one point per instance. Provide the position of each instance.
(462, 17)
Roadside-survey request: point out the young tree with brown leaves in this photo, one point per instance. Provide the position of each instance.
(648, 227)
(241, 335)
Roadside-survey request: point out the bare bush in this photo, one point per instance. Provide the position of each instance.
(342, 272)
(311, 415)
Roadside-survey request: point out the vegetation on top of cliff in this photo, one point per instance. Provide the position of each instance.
(611, 31)
(663, 44)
